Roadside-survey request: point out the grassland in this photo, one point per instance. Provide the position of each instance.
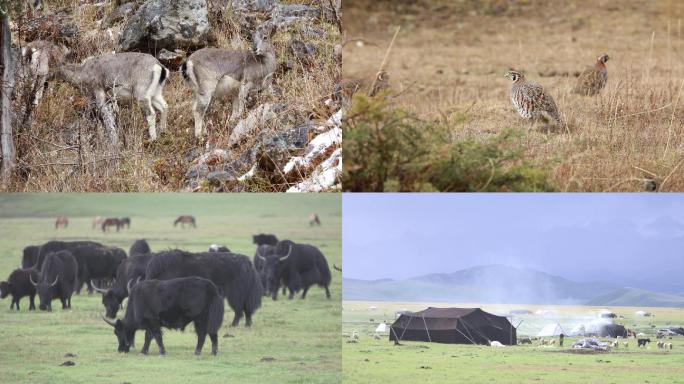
(447, 65)
(371, 360)
(301, 336)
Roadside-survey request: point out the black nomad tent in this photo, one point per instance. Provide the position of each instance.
(453, 326)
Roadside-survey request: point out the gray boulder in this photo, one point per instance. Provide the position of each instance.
(166, 24)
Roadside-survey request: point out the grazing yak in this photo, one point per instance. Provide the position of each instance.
(96, 262)
(58, 279)
(233, 274)
(139, 247)
(18, 285)
(172, 304)
(298, 266)
(130, 269)
(642, 342)
(264, 239)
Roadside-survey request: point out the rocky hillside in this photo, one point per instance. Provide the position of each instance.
(288, 139)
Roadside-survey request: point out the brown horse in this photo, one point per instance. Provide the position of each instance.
(111, 222)
(185, 220)
(61, 221)
(314, 220)
(97, 221)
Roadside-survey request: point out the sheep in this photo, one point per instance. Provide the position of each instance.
(496, 344)
(660, 344)
(670, 345)
(552, 342)
(625, 343)
(127, 76)
(355, 335)
(219, 73)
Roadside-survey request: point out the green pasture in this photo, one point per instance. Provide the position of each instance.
(290, 342)
(370, 360)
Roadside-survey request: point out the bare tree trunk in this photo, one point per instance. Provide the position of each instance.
(6, 86)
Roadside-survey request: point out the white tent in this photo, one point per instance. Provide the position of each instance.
(551, 330)
(578, 330)
(381, 328)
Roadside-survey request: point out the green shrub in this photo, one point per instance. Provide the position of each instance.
(388, 149)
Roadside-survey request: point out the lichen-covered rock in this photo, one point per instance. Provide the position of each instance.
(157, 24)
(252, 5)
(263, 116)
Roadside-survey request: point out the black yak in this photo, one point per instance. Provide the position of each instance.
(298, 266)
(171, 304)
(96, 262)
(139, 247)
(265, 239)
(233, 275)
(18, 285)
(30, 256)
(55, 246)
(58, 279)
(130, 269)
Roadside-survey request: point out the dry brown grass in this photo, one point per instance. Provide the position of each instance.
(65, 148)
(450, 57)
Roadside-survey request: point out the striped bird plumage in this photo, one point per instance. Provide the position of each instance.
(531, 100)
(592, 80)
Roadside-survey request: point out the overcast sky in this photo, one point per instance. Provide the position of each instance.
(578, 236)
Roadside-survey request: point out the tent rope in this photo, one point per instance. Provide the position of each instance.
(426, 328)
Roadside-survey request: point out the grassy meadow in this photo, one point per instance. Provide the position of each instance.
(370, 360)
(447, 67)
(290, 341)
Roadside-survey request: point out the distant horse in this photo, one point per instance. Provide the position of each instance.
(97, 221)
(61, 221)
(125, 221)
(314, 220)
(185, 220)
(111, 222)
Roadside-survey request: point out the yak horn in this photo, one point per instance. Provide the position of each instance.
(113, 324)
(128, 286)
(286, 256)
(337, 268)
(32, 282)
(99, 290)
(259, 254)
(55, 282)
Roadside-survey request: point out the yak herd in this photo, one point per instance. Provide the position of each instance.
(167, 289)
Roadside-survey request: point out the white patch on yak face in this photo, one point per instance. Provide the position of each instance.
(227, 86)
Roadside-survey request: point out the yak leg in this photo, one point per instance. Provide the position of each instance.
(201, 336)
(107, 117)
(236, 318)
(146, 346)
(15, 302)
(214, 343)
(327, 292)
(306, 289)
(32, 305)
(248, 318)
(64, 302)
(157, 334)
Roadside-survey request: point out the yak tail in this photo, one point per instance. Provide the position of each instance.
(245, 292)
(215, 318)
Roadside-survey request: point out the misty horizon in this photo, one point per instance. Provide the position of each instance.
(626, 240)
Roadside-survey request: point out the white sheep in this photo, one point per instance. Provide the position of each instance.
(626, 344)
(495, 344)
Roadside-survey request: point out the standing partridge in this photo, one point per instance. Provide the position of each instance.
(592, 80)
(532, 101)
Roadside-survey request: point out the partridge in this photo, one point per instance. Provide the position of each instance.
(592, 80)
(531, 100)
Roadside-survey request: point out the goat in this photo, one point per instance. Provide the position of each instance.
(625, 343)
(125, 76)
(219, 73)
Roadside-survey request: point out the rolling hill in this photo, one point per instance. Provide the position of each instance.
(501, 284)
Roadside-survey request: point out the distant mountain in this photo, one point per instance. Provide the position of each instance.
(501, 284)
(634, 297)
